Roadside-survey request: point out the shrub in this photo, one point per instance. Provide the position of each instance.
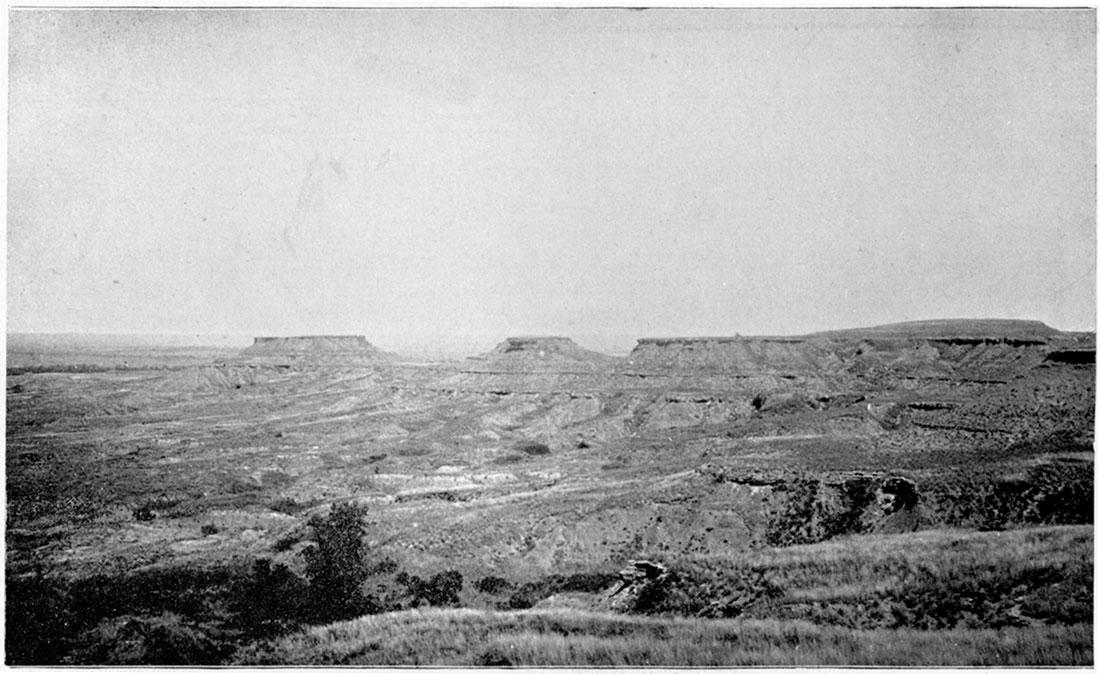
(443, 588)
(38, 621)
(440, 590)
(336, 566)
(533, 448)
(814, 512)
(492, 584)
(153, 508)
(271, 601)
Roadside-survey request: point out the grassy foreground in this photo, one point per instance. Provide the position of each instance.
(467, 637)
(930, 580)
(927, 599)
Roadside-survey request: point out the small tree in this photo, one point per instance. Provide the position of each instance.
(337, 565)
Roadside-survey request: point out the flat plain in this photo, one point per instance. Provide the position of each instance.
(916, 494)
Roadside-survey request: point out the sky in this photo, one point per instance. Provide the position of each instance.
(444, 174)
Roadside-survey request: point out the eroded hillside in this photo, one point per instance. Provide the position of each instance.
(541, 457)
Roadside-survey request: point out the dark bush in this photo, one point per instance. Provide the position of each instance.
(336, 565)
(810, 514)
(271, 601)
(144, 513)
(184, 591)
(170, 614)
(38, 621)
(492, 585)
(533, 448)
(442, 589)
(791, 524)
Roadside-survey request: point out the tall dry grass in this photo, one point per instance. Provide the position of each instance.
(933, 598)
(538, 638)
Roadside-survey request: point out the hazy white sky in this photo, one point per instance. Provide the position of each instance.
(596, 172)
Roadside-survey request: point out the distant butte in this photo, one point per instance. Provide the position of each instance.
(311, 344)
(537, 347)
(320, 349)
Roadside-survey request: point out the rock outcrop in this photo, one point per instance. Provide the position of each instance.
(633, 579)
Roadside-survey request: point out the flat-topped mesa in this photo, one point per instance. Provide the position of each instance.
(977, 349)
(974, 348)
(311, 344)
(327, 349)
(528, 356)
(954, 331)
(542, 348)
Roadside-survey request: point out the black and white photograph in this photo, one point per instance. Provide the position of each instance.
(535, 336)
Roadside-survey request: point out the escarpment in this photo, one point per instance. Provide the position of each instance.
(978, 349)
